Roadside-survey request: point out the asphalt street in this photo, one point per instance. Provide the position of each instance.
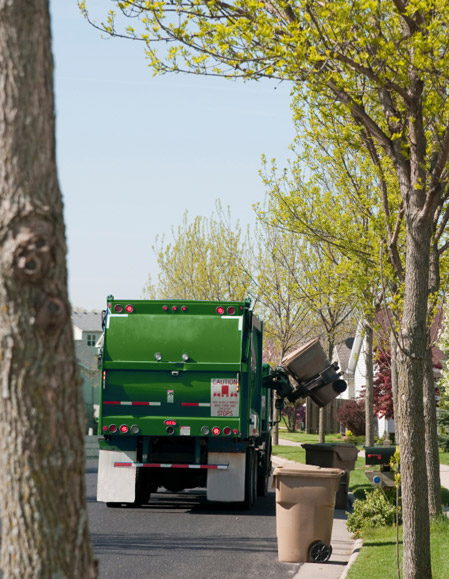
(181, 536)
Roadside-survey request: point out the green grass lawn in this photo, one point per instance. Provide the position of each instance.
(444, 457)
(377, 558)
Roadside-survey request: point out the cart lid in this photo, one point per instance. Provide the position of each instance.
(308, 471)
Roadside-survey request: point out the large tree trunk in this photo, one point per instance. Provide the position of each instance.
(411, 371)
(42, 495)
(432, 454)
(369, 388)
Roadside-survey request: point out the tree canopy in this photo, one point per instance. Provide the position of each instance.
(382, 66)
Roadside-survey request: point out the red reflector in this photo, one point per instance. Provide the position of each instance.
(231, 311)
(112, 428)
(227, 430)
(235, 431)
(118, 308)
(104, 428)
(165, 308)
(129, 308)
(220, 310)
(215, 430)
(170, 422)
(123, 429)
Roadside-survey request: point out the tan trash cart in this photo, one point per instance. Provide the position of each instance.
(305, 504)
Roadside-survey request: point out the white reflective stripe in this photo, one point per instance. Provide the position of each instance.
(126, 403)
(154, 403)
(168, 465)
(118, 315)
(239, 318)
(204, 404)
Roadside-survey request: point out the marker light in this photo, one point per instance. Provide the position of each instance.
(129, 308)
(215, 431)
(231, 311)
(205, 430)
(227, 430)
(158, 356)
(220, 310)
(165, 308)
(185, 357)
(112, 428)
(184, 308)
(235, 431)
(175, 308)
(105, 428)
(124, 429)
(118, 308)
(170, 422)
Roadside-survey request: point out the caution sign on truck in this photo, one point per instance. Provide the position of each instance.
(224, 397)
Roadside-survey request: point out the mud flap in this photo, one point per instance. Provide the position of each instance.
(116, 485)
(226, 485)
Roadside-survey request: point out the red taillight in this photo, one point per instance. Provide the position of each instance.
(231, 311)
(129, 308)
(227, 430)
(112, 428)
(118, 308)
(124, 429)
(220, 310)
(215, 431)
(170, 422)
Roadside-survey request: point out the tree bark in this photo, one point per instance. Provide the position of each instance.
(411, 370)
(432, 454)
(322, 426)
(369, 388)
(42, 495)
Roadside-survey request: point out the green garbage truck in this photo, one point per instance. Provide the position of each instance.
(186, 400)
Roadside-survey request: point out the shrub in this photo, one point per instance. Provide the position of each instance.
(443, 435)
(352, 415)
(373, 511)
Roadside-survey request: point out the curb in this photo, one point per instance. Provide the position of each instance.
(357, 546)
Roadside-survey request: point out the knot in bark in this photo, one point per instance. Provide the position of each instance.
(32, 257)
(52, 314)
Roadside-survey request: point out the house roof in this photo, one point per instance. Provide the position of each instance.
(87, 321)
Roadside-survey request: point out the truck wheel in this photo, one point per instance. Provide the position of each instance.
(250, 479)
(264, 472)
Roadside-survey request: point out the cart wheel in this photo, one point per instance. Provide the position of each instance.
(319, 552)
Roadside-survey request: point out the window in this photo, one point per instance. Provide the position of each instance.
(91, 339)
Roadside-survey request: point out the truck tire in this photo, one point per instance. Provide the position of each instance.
(250, 479)
(264, 471)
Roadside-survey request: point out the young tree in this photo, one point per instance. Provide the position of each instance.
(42, 495)
(386, 66)
(208, 259)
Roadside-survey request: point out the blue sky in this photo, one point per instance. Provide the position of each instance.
(136, 151)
